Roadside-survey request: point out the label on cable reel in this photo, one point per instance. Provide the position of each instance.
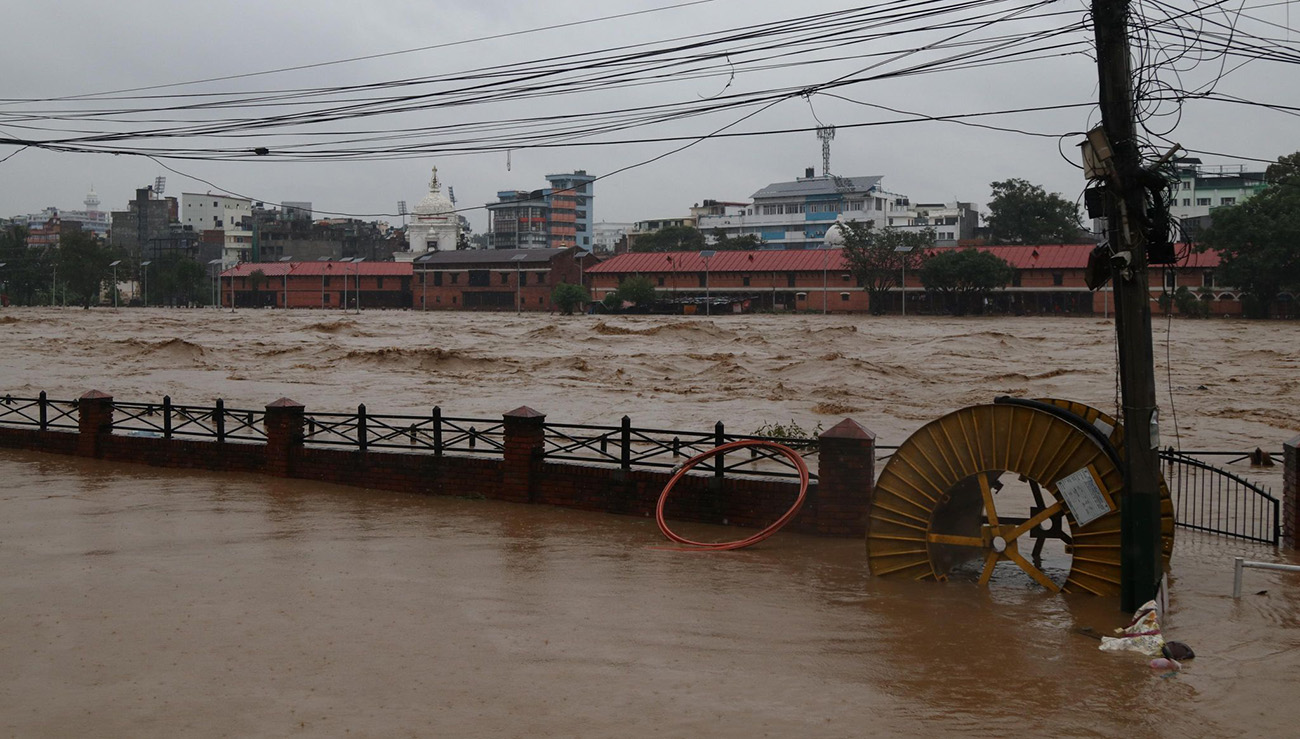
(1084, 496)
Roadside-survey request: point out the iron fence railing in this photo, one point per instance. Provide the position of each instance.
(40, 412)
(433, 433)
(1212, 499)
(627, 446)
(169, 421)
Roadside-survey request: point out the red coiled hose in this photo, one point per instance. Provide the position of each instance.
(783, 450)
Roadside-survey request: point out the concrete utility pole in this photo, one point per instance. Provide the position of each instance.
(1140, 566)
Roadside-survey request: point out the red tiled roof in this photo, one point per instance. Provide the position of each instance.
(317, 269)
(1043, 256)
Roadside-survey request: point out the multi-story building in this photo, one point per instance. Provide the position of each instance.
(796, 215)
(606, 235)
(148, 219)
(233, 216)
(48, 234)
(556, 217)
(573, 191)
(953, 223)
(1202, 188)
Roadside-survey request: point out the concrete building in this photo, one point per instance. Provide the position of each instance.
(48, 234)
(606, 235)
(555, 217)
(953, 222)
(342, 285)
(434, 224)
(796, 214)
(231, 215)
(1202, 188)
(147, 220)
(574, 192)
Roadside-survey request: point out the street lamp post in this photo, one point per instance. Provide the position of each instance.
(215, 264)
(2, 287)
(144, 273)
(902, 284)
(706, 255)
(518, 260)
(356, 262)
(54, 287)
(114, 266)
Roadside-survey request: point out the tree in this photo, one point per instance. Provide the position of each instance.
(177, 280)
(25, 278)
(1023, 213)
(83, 265)
(1256, 239)
(964, 277)
(671, 238)
(257, 279)
(744, 242)
(638, 290)
(568, 296)
(877, 258)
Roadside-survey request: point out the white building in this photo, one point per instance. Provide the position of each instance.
(952, 222)
(607, 234)
(1202, 188)
(434, 224)
(208, 212)
(795, 215)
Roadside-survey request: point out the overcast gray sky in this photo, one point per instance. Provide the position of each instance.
(55, 50)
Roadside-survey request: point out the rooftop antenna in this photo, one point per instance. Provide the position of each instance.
(159, 184)
(401, 210)
(826, 134)
(451, 194)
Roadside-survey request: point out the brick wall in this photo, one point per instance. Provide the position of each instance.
(836, 507)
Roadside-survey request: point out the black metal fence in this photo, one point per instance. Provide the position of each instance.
(434, 433)
(192, 421)
(40, 412)
(627, 446)
(1212, 499)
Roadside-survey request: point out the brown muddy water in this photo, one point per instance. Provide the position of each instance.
(144, 602)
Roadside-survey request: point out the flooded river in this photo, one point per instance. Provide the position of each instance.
(144, 602)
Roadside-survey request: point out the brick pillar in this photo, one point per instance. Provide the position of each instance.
(94, 421)
(525, 440)
(284, 435)
(1291, 494)
(845, 478)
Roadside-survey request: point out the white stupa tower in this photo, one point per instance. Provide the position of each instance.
(434, 224)
(92, 201)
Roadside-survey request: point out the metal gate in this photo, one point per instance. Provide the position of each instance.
(1209, 498)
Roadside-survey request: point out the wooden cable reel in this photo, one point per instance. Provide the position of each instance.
(942, 503)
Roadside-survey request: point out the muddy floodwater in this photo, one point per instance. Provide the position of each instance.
(144, 602)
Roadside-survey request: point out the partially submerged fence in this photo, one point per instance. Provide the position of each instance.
(518, 456)
(632, 460)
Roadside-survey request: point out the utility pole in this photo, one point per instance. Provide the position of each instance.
(1126, 219)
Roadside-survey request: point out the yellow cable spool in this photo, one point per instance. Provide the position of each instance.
(943, 503)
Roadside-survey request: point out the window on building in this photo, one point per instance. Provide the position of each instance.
(844, 297)
(379, 283)
(1058, 278)
(505, 279)
(790, 278)
(453, 300)
(1227, 201)
(325, 298)
(745, 280)
(1171, 279)
(437, 279)
(801, 296)
(1207, 278)
(704, 278)
(1187, 202)
(661, 282)
(846, 277)
(455, 277)
(325, 281)
(1202, 201)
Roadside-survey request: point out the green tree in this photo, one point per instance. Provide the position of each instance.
(744, 242)
(671, 238)
(83, 266)
(177, 280)
(964, 277)
(25, 278)
(1023, 213)
(567, 296)
(877, 258)
(1256, 239)
(638, 290)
